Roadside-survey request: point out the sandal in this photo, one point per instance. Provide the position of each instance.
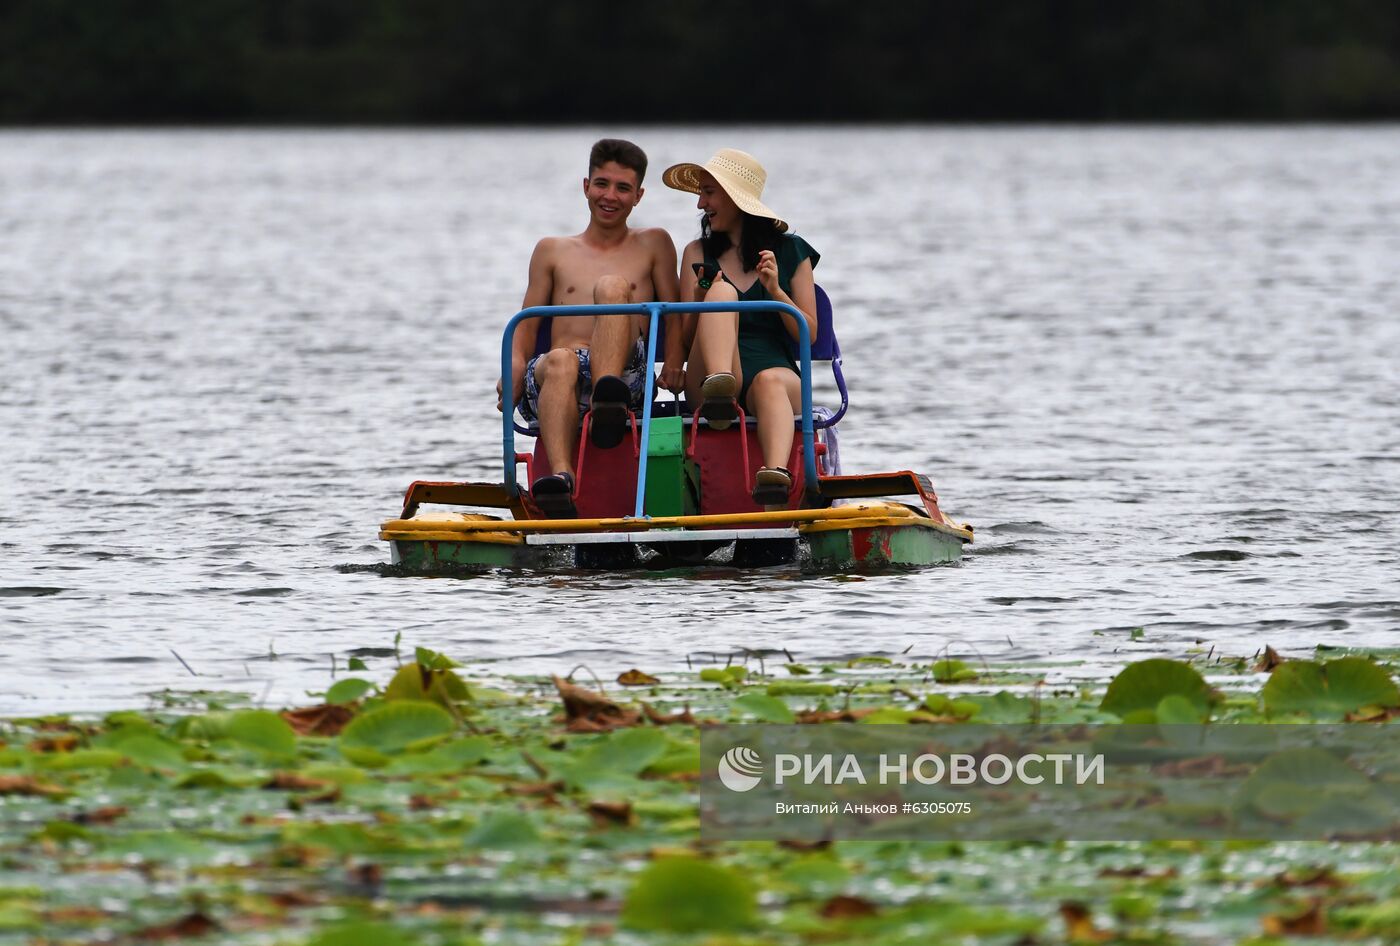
(609, 409)
(555, 495)
(772, 484)
(717, 404)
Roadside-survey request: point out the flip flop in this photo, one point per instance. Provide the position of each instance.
(772, 484)
(554, 495)
(609, 424)
(717, 404)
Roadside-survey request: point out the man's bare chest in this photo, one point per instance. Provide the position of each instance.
(575, 278)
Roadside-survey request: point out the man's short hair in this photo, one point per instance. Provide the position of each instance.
(622, 152)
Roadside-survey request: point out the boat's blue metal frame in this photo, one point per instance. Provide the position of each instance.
(654, 310)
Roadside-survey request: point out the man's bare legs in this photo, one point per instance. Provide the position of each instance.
(612, 337)
(612, 344)
(556, 373)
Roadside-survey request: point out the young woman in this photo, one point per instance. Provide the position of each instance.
(745, 254)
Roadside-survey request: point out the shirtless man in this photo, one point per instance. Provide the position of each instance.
(597, 361)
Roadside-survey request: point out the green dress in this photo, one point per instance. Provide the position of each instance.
(763, 341)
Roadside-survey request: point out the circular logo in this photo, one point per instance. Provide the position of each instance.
(741, 769)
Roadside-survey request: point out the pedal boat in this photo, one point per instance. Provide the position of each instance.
(677, 492)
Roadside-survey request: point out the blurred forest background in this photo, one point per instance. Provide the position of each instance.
(533, 61)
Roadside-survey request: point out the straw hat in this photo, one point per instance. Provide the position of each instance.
(739, 173)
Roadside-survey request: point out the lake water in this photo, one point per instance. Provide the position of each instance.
(1159, 370)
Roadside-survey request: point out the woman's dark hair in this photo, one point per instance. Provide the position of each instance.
(757, 234)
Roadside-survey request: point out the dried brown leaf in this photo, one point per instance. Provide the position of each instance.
(534, 788)
(608, 813)
(1138, 872)
(294, 898)
(195, 924)
(328, 719)
(684, 717)
(29, 785)
(1307, 921)
(1308, 877)
(1268, 660)
(834, 716)
(1079, 924)
(64, 743)
(296, 782)
(75, 915)
(843, 907)
(366, 876)
(586, 711)
(104, 815)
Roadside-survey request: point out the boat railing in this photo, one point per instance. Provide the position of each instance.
(654, 311)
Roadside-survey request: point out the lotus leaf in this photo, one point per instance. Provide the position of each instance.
(800, 688)
(770, 709)
(361, 934)
(1143, 685)
(417, 682)
(393, 727)
(688, 895)
(263, 731)
(503, 830)
(1329, 690)
(348, 690)
(952, 671)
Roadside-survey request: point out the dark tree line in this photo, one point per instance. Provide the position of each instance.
(686, 60)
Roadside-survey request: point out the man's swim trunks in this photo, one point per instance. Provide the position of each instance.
(633, 374)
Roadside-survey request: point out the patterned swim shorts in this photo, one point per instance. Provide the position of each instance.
(633, 374)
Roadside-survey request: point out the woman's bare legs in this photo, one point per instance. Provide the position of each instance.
(775, 397)
(716, 345)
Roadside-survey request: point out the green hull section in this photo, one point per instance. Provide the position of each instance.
(880, 547)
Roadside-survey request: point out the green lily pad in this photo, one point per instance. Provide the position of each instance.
(688, 895)
(503, 830)
(1002, 707)
(442, 759)
(681, 755)
(151, 751)
(725, 676)
(81, 759)
(1178, 710)
(348, 690)
(361, 934)
(615, 758)
(800, 688)
(816, 876)
(952, 671)
(19, 915)
(217, 778)
(1297, 782)
(207, 727)
(433, 660)
(417, 682)
(770, 709)
(1143, 685)
(390, 729)
(263, 731)
(1329, 690)
(941, 705)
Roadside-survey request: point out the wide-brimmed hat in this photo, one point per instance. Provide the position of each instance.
(738, 172)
